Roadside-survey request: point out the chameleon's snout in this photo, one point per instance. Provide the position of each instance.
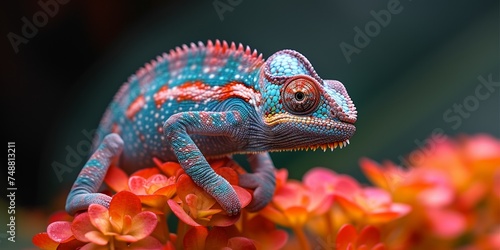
(342, 106)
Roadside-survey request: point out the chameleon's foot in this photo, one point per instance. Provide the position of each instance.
(263, 185)
(85, 189)
(225, 195)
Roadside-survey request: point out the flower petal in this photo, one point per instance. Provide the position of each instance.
(99, 217)
(192, 204)
(60, 216)
(346, 236)
(296, 216)
(71, 245)
(167, 191)
(92, 246)
(195, 238)
(181, 214)
(143, 224)
(229, 174)
(157, 202)
(146, 243)
(43, 241)
(156, 182)
(274, 215)
(186, 186)
(60, 231)
(81, 225)
(97, 237)
(223, 220)
(116, 178)
(373, 171)
(446, 223)
(351, 208)
(265, 233)
(146, 172)
(318, 176)
(123, 203)
(126, 238)
(137, 185)
(375, 197)
(169, 167)
(369, 236)
(241, 243)
(289, 195)
(243, 195)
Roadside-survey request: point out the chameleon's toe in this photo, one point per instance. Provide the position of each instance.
(227, 198)
(263, 186)
(230, 205)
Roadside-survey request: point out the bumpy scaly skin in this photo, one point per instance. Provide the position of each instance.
(206, 101)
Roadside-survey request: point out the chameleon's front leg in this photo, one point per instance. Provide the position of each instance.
(262, 180)
(178, 129)
(84, 190)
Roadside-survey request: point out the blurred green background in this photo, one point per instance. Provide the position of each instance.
(408, 74)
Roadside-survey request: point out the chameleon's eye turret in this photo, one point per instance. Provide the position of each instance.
(300, 95)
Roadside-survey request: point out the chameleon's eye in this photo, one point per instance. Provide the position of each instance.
(300, 96)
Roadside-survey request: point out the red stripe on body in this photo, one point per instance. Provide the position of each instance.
(135, 106)
(190, 91)
(198, 91)
(161, 95)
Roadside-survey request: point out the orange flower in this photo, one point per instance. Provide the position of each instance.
(447, 198)
(153, 191)
(370, 205)
(123, 224)
(368, 238)
(263, 232)
(196, 207)
(294, 203)
(453, 189)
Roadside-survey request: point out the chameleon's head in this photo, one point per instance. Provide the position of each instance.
(300, 109)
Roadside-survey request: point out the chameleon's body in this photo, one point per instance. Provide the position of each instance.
(212, 100)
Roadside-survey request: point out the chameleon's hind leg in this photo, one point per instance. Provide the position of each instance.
(262, 180)
(84, 190)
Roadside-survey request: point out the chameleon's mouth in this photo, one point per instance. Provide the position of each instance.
(330, 146)
(291, 133)
(324, 147)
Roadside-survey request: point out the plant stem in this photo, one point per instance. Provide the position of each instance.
(112, 243)
(301, 236)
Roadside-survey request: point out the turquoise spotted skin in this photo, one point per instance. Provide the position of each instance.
(210, 100)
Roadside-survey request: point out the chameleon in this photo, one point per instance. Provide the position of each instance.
(214, 99)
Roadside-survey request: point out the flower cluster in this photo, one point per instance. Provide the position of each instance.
(450, 199)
